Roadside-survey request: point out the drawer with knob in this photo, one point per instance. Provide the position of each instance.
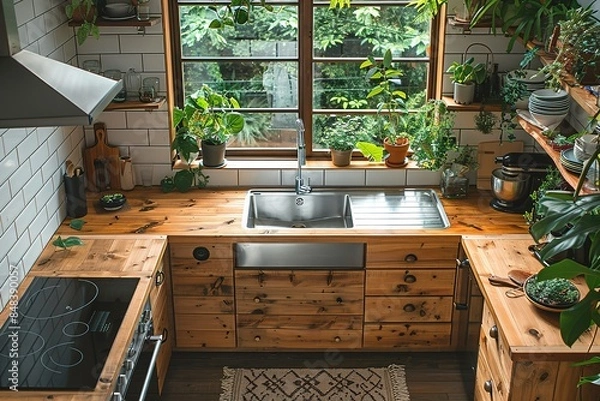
(414, 252)
(299, 339)
(408, 309)
(410, 282)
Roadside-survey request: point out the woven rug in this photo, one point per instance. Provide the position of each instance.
(360, 384)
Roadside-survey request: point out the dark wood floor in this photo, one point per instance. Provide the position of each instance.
(430, 376)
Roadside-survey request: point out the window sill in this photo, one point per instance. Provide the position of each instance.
(253, 164)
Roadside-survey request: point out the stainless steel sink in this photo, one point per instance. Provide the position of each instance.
(345, 208)
(286, 209)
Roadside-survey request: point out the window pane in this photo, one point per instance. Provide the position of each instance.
(362, 31)
(344, 85)
(267, 130)
(270, 34)
(253, 84)
(363, 127)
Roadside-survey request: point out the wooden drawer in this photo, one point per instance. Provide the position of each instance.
(191, 248)
(203, 305)
(410, 282)
(413, 252)
(299, 339)
(408, 336)
(492, 342)
(486, 386)
(205, 331)
(208, 281)
(304, 292)
(295, 322)
(408, 309)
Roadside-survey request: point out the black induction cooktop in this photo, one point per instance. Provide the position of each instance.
(60, 331)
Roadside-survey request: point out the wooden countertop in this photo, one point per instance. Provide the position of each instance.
(527, 329)
(99, 256)
(210, 212)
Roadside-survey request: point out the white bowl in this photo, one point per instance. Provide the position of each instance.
(118, 10)
(550, 112)
(546, 120)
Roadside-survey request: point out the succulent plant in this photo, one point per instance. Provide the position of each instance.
(553, 292)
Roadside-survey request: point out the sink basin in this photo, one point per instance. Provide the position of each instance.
(345, 208)
(286, 209)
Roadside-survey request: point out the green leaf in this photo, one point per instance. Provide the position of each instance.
(577, 319)
(76, 224)
(370, 151)
(234, 122)
(375, 91)
(387, 59)
(183, 180)
(66, 243)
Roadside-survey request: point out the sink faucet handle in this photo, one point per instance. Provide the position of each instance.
(300, 124)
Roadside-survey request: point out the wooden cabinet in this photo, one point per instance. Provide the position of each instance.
(521, 354)
(162, 311)
(409, 293)
(202, 273)
(299, 309)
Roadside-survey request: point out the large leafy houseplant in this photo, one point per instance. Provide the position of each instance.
(571, 221)
(85, 13)
(434, 135)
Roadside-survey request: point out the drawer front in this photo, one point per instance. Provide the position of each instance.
(407, 336)
(493, 343)
(299, 292)
(197, 250)
(203, 305)
(486, 386)
(295, 322)
(413, 252)
(205, 339)
(410, 282)
(408, 309)
(299, 339)
(203, 281)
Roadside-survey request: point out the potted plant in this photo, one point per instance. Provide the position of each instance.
(433, 135)
(341, 138)
(396, 119)
(556, 293)
(465, 76)
(485, 121)
(85, 13)
(113, 201)
(208, 117)
(571, 224)
(454, 182)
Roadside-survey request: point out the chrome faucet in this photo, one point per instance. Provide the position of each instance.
(301, 187)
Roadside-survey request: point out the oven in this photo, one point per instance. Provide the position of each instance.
(137, 375)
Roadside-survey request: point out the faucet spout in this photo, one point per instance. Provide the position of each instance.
(302, 186)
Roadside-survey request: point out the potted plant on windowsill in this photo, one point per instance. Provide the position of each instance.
(207, 117)
(341, 138)
(395, 118)
(84, 12)
(465, 76)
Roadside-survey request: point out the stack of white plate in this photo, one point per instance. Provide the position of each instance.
(533, 80)
(549, 107)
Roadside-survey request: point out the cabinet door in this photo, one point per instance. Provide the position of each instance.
(203, 294)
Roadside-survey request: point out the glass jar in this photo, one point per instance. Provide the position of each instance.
(133, 83)
(116, 75)
(143, 10)
(454, 183)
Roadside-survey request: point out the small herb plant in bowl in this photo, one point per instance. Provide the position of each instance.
(553, 294)
(113, 201)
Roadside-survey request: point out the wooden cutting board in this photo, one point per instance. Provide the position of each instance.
(102, 163)
(486, 157)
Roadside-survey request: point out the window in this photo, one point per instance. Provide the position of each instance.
(301, 59)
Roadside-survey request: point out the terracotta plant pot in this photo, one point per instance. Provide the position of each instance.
(341, 158)
(396, 152)
(464, 94)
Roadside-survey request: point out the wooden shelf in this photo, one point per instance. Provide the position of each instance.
(536, 133)
(136, 104)
(452, 105)
(466, 25)
(129, 22)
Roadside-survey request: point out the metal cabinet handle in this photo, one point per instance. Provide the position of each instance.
(409, 278)
(411, 258)
(488, 386)
(159, 279)
(494, 332)
(337, 339)
(339, 300)
(256, 300)
(201, 253)
(409, 308)
(257, 338)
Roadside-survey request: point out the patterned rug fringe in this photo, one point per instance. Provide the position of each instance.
(227, 384)
(398, 379)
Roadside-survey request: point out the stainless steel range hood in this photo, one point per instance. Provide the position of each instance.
(40, 92)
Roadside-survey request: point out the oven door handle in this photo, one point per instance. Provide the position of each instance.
(158, 340)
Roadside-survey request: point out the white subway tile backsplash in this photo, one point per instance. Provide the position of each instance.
(137, 137)
(12, 138)
(385, 177)
(5, 195)
(31, 187)
(222, 177)
(104, 44)
(122, 62)
(154, 62)
(316, 176)
(35, 29)
(150, 154)
(152, 120)
(159, 137)
(24, 12)
(25, 218)
(112, 119)
(8, 165)
(20, 176)
(252, 177)
(27, 147)
(141, 44)
(345, 178)
(12, 210)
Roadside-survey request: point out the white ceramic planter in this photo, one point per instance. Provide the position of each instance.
(464, 94)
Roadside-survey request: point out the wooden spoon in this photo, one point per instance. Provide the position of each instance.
(518, 276)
